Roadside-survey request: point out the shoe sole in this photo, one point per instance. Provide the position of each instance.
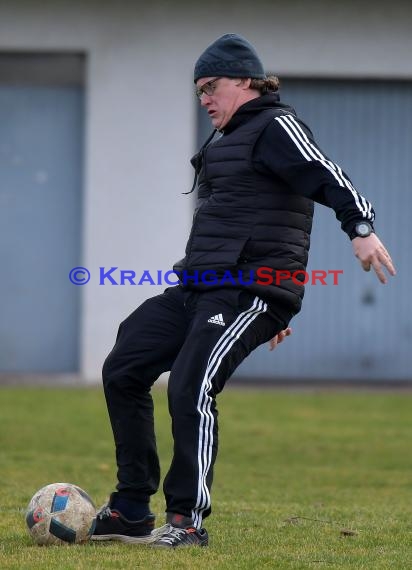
(198, 545)
(124, 538)
(148, 539)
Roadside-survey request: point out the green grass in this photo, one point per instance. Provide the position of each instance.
(294, 470)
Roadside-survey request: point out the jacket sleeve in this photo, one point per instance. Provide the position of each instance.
(286, 149)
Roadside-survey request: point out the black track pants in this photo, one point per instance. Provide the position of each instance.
(201, 338)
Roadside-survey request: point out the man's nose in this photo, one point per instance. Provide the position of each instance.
(205, 100)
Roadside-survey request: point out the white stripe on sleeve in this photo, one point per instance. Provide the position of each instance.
(312, 153)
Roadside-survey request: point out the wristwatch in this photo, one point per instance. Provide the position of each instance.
(362, 229)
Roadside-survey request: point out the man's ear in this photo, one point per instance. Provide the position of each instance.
(243, 82)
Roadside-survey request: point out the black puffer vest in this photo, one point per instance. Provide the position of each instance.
(245, 221)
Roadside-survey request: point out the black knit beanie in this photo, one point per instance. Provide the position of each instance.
(229, 56)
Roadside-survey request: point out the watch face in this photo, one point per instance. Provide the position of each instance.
(363, 229)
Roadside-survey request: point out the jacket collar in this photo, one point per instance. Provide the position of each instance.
(251, 108)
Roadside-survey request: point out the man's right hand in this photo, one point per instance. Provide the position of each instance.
(279, 338)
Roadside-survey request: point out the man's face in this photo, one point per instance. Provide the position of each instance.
(222, 97)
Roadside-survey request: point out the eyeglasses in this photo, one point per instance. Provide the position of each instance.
(208, 88)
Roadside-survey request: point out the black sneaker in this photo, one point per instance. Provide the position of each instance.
(179, 531)
(112, 525)
(174, 537)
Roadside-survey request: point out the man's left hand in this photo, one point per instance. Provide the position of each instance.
(372, 253)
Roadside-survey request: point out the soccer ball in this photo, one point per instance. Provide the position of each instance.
(61, 513)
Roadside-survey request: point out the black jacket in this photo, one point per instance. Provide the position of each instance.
(255, 188)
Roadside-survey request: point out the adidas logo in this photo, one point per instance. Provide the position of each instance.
(217, 320)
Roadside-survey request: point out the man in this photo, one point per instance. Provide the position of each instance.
(256, 185)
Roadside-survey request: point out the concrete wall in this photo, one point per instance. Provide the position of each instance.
(140, 126)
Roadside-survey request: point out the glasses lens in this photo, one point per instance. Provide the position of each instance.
(208, 88)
